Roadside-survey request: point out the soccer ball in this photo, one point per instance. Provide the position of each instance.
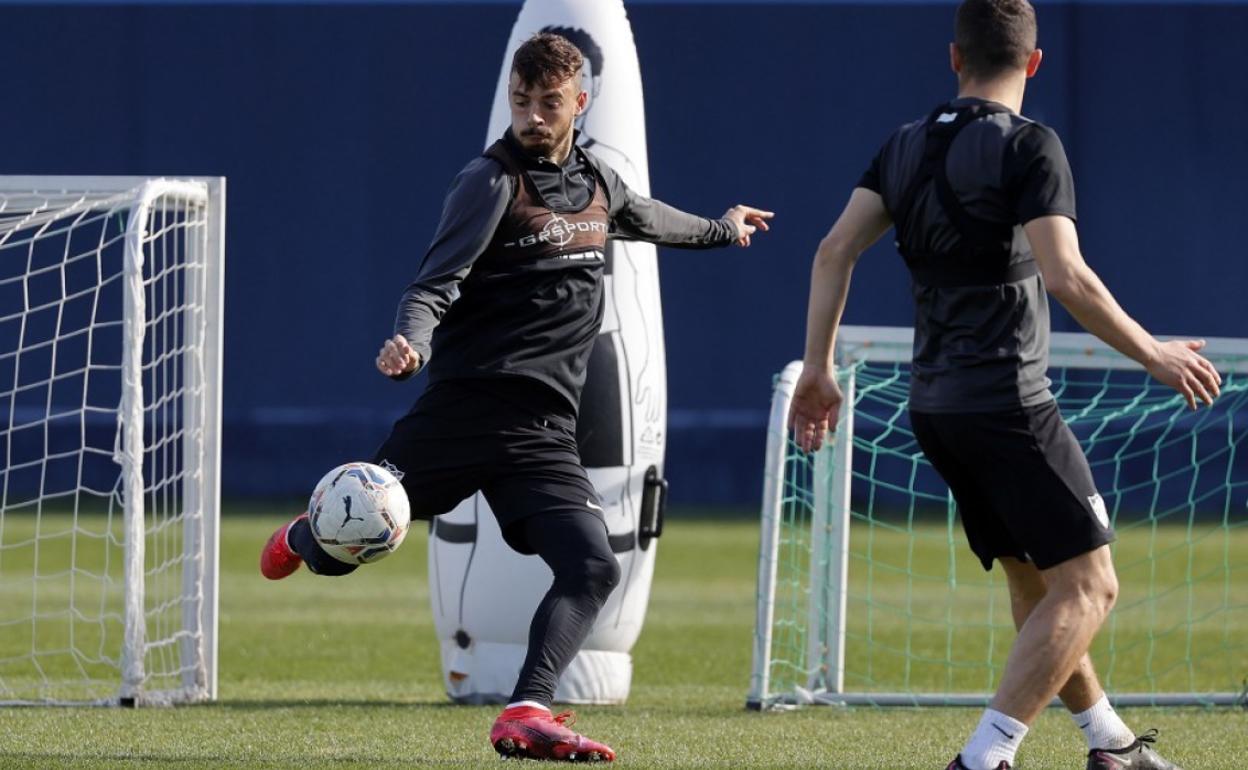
(359, 513)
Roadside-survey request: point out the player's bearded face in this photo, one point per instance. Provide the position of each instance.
(542, 115)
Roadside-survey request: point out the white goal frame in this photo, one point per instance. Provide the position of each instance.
(830, 520)
(200, 408)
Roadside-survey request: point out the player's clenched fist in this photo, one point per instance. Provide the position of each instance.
(397, 357)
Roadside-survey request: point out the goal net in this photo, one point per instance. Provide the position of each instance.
(868, 593)
(110, 328)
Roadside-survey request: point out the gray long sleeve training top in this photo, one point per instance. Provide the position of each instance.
(445, 328)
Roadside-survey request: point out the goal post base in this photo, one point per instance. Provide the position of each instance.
(915, 700)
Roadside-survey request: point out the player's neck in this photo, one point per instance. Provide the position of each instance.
(562, 152)
(1007, 91)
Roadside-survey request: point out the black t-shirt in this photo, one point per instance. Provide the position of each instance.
(978, 348)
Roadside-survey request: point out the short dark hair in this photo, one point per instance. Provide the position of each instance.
(994, 36)
(582, 40)
(546, 60)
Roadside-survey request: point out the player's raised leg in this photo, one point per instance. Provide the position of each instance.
(435, 469)
(1111, 743)
(574, 545)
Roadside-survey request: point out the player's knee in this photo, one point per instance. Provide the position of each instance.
(1095, 592)
(594, 574)
(602, 574)
(1102, 587)
(1109, 591)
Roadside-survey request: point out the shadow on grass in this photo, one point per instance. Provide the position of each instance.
(121, 759)
(250, 705)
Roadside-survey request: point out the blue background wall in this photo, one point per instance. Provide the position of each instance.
(340, 126)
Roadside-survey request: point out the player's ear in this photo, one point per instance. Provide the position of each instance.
(1033, 62)
(581, 100)
(955, 59)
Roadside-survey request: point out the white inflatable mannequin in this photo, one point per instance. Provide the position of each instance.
(483, 593)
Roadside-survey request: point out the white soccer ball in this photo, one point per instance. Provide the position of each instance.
(359, 513)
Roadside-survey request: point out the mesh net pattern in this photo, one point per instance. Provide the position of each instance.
(63, 295)
(924, 619)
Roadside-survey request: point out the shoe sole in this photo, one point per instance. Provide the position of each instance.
(510, 748)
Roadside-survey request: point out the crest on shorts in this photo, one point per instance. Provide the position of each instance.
(1098, 507)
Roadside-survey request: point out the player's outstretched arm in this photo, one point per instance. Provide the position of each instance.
(639, 218)
(1055, 245)
(817, 397)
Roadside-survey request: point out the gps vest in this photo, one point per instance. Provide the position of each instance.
(532, 230)
(983, 257)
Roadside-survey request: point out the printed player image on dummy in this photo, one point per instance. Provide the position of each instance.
(484, 594)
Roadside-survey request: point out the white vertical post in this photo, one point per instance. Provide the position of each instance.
(817, 602)
(201, 409)
(191, 457)
(210, 489)
(130, 452)
(769, 540)
(829, 550)
(838, 506)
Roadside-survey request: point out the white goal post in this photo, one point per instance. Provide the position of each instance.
(868, 593)
(110, 421)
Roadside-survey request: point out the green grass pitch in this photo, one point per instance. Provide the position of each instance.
(320, 673)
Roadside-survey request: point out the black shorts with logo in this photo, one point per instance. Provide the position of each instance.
(514, 441)
(1021, 482)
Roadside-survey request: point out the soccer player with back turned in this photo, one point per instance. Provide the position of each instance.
(504, 311)
(983, 205)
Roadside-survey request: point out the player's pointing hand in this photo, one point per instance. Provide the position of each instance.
(397, 357)
(748, 220)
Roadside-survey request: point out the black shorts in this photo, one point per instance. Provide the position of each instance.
(1021, 482)
(514, 442)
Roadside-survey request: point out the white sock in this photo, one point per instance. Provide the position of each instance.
(996, 738)
(1102, 726)
(528, 704)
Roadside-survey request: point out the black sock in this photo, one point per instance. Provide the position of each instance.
(301, 540)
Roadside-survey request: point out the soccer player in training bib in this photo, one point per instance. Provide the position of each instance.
(983, 205)
(503, 312)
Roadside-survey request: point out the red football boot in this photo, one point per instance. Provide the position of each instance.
(532, 733)
(278, 559)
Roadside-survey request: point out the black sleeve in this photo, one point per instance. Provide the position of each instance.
(1036, 174)
(636, 217)
(870, 179)
(475, 205)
